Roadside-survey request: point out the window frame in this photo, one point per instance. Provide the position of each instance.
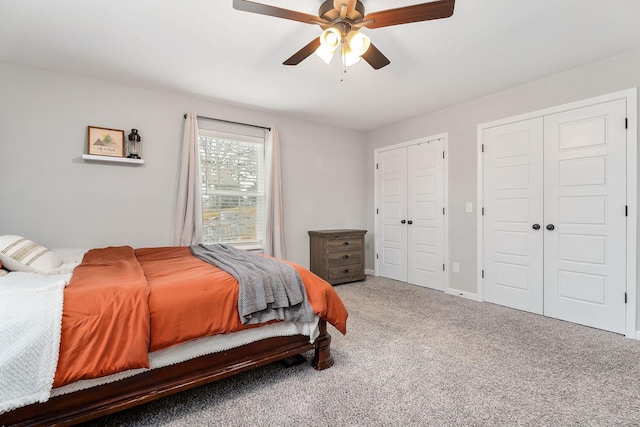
(258, 243)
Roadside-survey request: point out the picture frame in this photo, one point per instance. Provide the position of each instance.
(105, 141)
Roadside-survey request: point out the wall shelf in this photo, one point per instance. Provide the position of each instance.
(108, 159)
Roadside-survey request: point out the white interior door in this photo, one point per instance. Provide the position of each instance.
(425, 216)
(392, 197)
(585, 198)
(513, 186)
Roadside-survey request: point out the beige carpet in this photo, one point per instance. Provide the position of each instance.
(416, 357)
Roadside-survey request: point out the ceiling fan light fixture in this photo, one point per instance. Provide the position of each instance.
(325, 53)
(331, 38)
(358, 43)
(329, 42)
(349, 57)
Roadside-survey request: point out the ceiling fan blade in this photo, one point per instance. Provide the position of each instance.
(263, 9)
(375, 58)
(303, 53)
(416, 13)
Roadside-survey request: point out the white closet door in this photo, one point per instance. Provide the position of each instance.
(392, 197)
(425, 217)
(513, 219)
(585, 197)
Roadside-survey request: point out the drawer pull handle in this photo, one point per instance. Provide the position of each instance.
(345, 271)
(345, 256)
(345, 244)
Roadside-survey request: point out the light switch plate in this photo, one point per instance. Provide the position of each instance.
(469, 207)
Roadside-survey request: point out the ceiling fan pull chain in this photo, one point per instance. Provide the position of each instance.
(343, 54)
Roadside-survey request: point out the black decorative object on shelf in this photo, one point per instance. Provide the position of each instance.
(133, 147)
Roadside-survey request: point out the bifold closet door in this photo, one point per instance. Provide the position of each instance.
(585, 198)
(513, 217)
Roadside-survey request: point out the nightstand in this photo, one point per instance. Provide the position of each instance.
(337, 256)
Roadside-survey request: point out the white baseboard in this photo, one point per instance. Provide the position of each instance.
(369, 272)
(638, 335)
(463, 294)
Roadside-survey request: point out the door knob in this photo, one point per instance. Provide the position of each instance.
(409, 222)
(403, 222)
(536, 226)
(550, 227)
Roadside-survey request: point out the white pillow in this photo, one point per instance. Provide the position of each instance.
(20, 254)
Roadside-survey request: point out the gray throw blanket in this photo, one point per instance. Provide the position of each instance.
(268, 289)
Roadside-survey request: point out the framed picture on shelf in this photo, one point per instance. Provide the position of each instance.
(105, 142)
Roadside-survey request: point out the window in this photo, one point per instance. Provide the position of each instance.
(232, 169)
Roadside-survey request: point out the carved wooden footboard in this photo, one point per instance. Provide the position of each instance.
(99, 401)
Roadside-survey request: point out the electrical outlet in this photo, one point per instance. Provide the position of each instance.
(456, 267)
(469, 207)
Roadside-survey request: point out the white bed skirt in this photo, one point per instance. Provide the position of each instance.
(201, 347)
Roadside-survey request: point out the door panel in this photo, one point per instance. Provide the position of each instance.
(585, 197)
(392, 196)
(513, 183)
(425, 201)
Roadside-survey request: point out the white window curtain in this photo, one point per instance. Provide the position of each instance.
(274, 221)
(188, 225)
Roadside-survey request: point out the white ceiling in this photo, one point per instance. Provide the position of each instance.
(205, 47)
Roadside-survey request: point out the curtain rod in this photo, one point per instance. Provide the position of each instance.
(232, 122)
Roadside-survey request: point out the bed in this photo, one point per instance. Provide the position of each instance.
(141, 324)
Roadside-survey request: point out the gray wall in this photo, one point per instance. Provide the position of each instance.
(461, 121)
(50, 195)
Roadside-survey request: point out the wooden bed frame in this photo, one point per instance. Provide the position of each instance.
(85, 405)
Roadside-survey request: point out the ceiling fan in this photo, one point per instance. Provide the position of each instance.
(342, 20)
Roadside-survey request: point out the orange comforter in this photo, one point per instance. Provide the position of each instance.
(122, 304)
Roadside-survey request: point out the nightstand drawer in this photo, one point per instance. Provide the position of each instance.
(345, 244)
(346, 272)
(344, 257)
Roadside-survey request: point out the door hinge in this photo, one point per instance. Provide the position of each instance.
(482, 211)
(483, 148)
(377, 212)
(626, 210)
(626, 123)
(442, 267)
(376, 256)
(376, 166)
(443, 154)
(483, 274)
(625, 297)
(442, 211)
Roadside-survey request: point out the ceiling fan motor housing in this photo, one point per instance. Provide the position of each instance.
(330, 13)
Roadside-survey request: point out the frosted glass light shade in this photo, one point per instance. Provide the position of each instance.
(349, 57)
(325, 53)
(358, 43)
(330, 38)
(329, 42)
